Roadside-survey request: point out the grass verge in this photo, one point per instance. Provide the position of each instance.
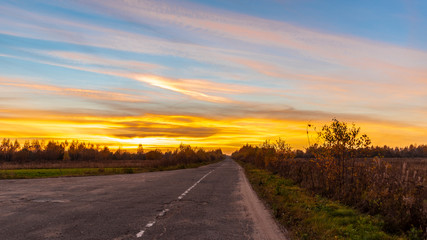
(312, 217)
(76, 172)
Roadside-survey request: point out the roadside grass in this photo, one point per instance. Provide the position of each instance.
(76, 172)
(312, 217)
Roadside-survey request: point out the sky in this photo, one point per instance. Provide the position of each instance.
(214, 73)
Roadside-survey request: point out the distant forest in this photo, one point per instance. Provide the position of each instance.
(30, 151)
(54, 151)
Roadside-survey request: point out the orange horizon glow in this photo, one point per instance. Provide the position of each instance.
(171, 131)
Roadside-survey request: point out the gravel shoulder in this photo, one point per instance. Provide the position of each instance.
(265, 227)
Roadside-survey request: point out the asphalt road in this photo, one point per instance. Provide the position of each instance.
(210, 202)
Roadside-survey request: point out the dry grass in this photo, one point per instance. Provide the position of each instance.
(312, 217)
(83, 164)
(392, 188)
(413, 164)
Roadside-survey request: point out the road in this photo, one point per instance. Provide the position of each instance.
(209, 202)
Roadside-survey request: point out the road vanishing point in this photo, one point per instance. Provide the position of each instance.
(209, 202)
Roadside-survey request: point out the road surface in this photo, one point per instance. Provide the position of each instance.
(210, 202)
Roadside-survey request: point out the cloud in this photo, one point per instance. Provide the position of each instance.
(290, 42)
(77, 92)
(161, 130)
(190, 87)
(196, 88)
(354, 66)
(78, 58)
(197, 19)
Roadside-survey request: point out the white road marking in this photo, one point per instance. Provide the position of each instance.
(164, 211)
(138, 235)
(150, 224)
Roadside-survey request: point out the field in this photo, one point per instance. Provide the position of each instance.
(412, 167)
(82, 164)
(394, 188)
(312, 217)
(73, 169)
(418, 165)
(82, 159)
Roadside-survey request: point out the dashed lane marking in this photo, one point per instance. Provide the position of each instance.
(164, 211)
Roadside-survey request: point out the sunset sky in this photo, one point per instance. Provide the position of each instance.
(212, 73)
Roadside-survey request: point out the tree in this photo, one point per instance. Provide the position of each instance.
(5, 150)
(140, 152)
(54, 151)
(154, 155)
(340, 144)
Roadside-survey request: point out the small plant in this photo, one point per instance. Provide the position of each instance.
(128, 170)
(415, 234)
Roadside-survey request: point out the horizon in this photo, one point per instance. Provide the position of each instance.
(212, 74)
(133, 149)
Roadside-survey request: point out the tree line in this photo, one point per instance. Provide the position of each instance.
(36, 150)
(54, 151)
(411, 151)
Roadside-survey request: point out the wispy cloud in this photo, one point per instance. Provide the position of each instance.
(198, 89)
(197, 19)
(291, 42)
(354, 60)
(83, 93)
(79, 58)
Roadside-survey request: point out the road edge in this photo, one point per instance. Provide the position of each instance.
(265, 225)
